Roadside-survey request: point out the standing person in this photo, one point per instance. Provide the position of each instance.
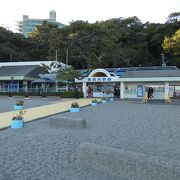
(39, 90)
(150, 92)
(115, 92)
(118, 92)
(89, 91)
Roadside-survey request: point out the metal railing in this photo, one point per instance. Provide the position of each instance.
(32, 90)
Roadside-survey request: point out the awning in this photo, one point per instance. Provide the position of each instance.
(64, 81)
(43, 80)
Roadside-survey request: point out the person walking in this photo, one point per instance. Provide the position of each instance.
(89, 91)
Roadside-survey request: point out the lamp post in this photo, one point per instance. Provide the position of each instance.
(12, 83)
(10, 89)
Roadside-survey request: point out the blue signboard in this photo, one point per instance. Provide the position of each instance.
(140, 91)
(103, 79)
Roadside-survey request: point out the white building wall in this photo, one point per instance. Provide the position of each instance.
(122, 90)
(130, 90)
(84, 89)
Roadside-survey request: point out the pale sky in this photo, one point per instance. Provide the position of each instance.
(87, 10)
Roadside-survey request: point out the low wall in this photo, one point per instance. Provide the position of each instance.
(67, 122)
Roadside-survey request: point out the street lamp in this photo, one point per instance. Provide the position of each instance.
(12, 83)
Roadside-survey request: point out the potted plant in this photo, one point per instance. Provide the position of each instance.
(19, 105)
(17, 119)
(74, 107)
(94, 102)
(103, 100)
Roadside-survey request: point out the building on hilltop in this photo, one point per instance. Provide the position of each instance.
(52, 15)
(28, 25)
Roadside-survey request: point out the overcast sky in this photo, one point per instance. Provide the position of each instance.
(90, 10)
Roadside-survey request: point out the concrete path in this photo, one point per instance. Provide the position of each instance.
(42, 111)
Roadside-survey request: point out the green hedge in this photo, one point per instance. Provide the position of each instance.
(71, 94)
(65, 94)
(18, 94)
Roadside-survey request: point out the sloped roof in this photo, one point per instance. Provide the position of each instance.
(26, 71)
(121, 71)
(53, 64)
(151, 73)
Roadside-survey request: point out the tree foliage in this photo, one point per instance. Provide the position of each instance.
(173, 17)
(113, 43)
(67, 74)
(171, 45)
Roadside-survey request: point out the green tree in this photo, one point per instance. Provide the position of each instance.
(171, 45)
(67, 74)
(173, 17)
(42, 38)
(87, 44)
(13, 46)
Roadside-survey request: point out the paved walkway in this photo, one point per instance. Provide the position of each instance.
(42, 111)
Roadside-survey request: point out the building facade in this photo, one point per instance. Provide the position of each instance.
(18, 78)
(28, 25)
(29, 76)
(133, 83)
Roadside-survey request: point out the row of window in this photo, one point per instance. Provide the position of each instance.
(11, 86)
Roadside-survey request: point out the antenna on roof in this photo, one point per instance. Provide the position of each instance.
(56, 55)
(163, 60)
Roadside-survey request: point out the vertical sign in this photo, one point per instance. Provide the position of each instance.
(139, 90)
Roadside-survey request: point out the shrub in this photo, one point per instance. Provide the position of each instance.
(74, 105)
(18, 115)
(65, 94)
(94, 101)
(71, 94)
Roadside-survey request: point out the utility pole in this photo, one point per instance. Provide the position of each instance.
(163, 60)
(11, 56)
(67, 56)
(56, 55)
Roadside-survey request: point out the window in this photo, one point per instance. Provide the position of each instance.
(11, 86)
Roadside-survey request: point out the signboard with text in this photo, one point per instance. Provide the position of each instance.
(99, 79)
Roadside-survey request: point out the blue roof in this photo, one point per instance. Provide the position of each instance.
(120, 71)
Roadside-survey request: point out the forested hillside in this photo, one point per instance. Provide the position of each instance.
(113, 43)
